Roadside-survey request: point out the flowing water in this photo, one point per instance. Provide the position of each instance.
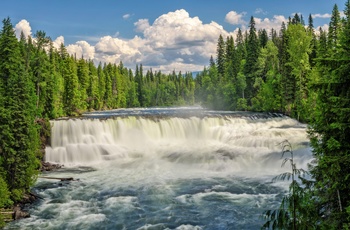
(165, 169)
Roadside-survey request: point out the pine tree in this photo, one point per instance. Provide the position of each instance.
(322, 47)
(334, 29)
(287, 80)
(92, 89)
(299, 49)
(330, 131)
(83, 77)
(19, 140)
(101, 86)
(311, 30)
(71, 96)
(252, 57)
(263, 38)
(39, 68)
(220, 54)
(230, 71)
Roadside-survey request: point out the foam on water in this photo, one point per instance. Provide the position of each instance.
(165, 173)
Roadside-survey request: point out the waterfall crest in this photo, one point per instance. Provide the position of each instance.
(214, 141)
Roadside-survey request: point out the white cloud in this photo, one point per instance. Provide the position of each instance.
(321, 15)
(235, 18)
(23, 26)
(58, 41)
(325, 27)
(81, 49)
(260, 11)
(173, 41)
(268, 24)
(126, 16)
(141, 25)
(342, 14)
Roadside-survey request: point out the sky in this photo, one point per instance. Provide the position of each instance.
(164, 35)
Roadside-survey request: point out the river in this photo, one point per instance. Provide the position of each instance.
(165, 168)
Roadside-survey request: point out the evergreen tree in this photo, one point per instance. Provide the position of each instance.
(263, 38)
(71, 96)
(334, 29)
(322, 47)
(252, 57)
(39, 68)
(83, 77)
(299, 50)
(287, 80)
(330, 136)
(311, 30)
(55, 87)
(101, 86)
(93, 86)
(19, 141)
(220, 60)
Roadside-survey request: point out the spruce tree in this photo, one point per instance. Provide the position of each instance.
(19, 140)
(71, 96)
(101, 86)
(330, 131)
(220, 54)
(92, 89)
(334, 29)
(252, 57)
(299, 49)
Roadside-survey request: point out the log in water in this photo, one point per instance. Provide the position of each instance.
(173, 172)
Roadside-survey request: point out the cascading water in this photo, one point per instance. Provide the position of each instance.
(165, 172)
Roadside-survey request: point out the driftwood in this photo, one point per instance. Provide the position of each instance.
(59, 178)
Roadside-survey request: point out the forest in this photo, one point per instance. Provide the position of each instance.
(297, 70)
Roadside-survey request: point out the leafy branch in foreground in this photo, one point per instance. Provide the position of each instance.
(293, 211)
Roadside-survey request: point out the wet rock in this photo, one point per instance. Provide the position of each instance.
(46, 166)
(18, 213)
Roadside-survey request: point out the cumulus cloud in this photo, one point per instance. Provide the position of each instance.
(173, 41)
(325, 27)
(23, 26)
(321, 15)
(81, 49)
(114, 50)
(141, 25)
(58, 41)
(268, 24)
(235, 18)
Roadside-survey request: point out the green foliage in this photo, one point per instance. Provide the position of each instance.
(19, 139)
(5, 200)
(294, 211)
(293, 72)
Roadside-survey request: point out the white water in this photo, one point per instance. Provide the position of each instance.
(170, 173)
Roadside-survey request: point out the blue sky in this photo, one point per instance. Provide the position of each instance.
(161, 34)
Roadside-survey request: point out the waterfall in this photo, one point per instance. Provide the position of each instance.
(214, 142)
(155, 169)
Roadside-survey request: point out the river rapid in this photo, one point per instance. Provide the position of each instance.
(165, 168)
